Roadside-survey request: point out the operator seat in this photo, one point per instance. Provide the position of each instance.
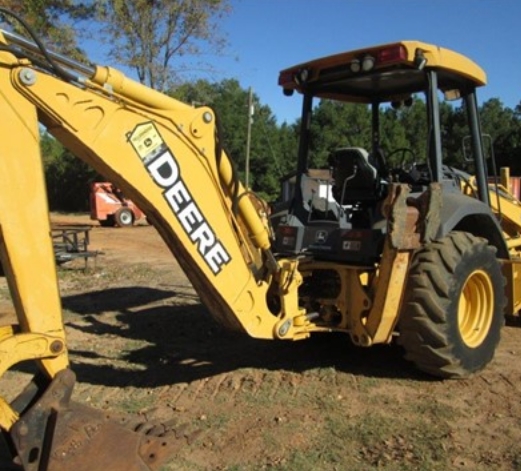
(356, 180)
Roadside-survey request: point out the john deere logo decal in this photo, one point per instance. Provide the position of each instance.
(164, 169)
(320, 237)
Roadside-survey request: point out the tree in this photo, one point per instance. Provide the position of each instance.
(393, 136)
(413, 120)
(54, 21)
(66, 176)
(272, 151)
(504, 127)
(496, 119)
(335, 125)
(147, 35)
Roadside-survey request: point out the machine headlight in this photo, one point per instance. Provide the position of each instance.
(368, 63)
(302, 76)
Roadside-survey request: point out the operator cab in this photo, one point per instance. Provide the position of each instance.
(376, 78)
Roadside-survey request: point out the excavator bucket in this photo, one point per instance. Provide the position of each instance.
(55, 434)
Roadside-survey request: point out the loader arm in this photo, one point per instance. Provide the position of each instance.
(167, 157)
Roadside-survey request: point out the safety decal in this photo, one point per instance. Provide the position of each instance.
(147, 142)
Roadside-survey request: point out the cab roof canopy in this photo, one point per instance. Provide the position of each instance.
(384, 73)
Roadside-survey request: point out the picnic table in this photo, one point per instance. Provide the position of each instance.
(72, 242)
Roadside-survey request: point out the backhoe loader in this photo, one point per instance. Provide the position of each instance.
(421, 252)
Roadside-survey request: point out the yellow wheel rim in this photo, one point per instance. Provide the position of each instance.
(476, 308)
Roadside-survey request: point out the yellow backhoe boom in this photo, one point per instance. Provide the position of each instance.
(167, 157)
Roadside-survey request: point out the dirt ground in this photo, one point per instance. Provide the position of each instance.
(141, 343)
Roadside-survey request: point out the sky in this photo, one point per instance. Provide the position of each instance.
(266, 36)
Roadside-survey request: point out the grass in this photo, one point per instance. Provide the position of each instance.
(328, 432)
(102, 277)
(366, 442)
(301, 419)
(135, 404)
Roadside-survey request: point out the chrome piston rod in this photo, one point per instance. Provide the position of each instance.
(71, 64)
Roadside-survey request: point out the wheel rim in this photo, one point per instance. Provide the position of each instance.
(126, 218)
(476, 308)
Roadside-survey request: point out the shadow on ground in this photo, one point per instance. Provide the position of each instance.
(185, 344)
(182, 343)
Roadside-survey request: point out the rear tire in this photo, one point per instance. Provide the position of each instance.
(453, 308)
(124, 217)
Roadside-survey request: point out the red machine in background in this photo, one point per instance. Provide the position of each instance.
(109, 206)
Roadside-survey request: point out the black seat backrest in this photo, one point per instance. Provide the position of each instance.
(356, 180)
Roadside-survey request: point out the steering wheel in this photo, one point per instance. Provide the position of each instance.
(408, 161)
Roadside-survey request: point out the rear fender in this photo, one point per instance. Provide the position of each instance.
(463, 213)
